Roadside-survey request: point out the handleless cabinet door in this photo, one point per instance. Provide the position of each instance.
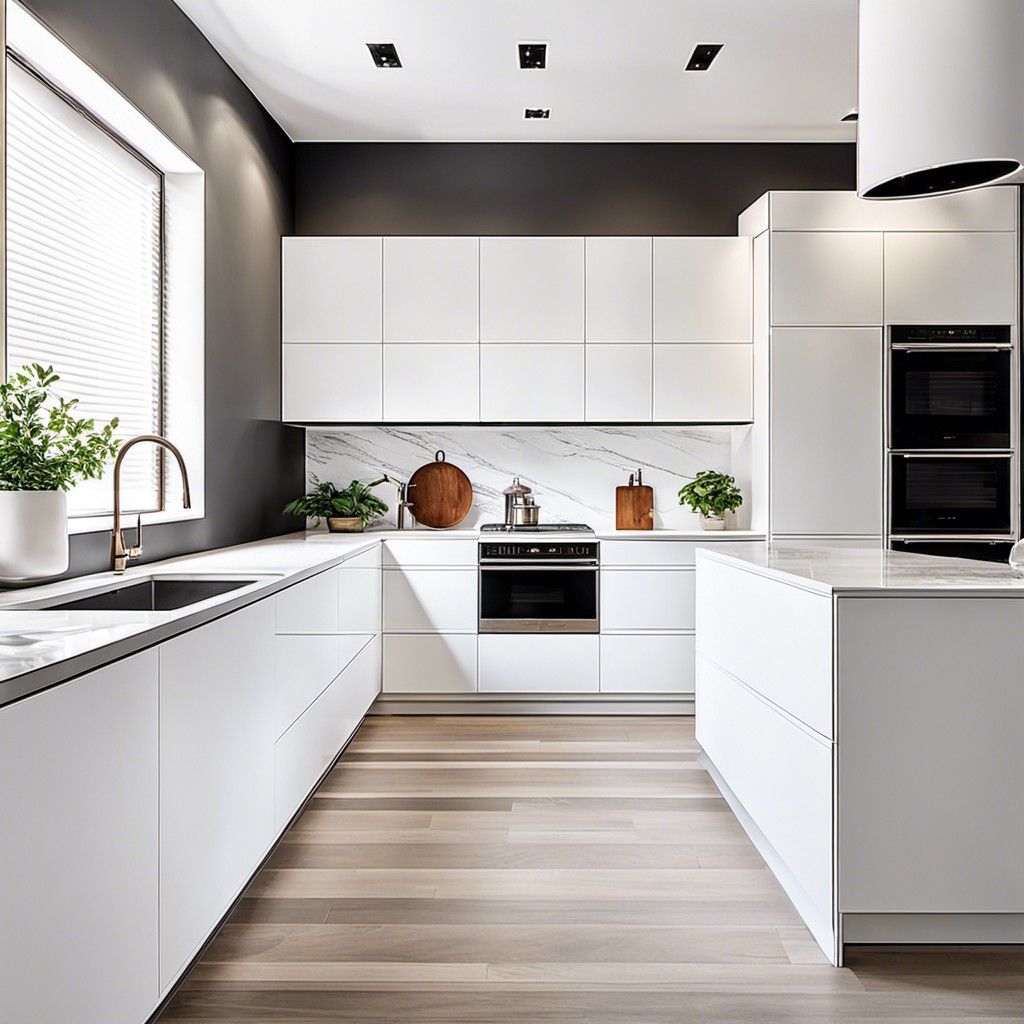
(619, 383)
(703, 383)
(431, 288)
(430, 663)
(951, 277)
(647, 663)
(430, 600)
(702, 289)
(618, 289)
(826, 430)
(428, 383)
(543, 663)
(332, 383)
(826, 278)
(531, 289)
(79, 849)
(532, 383)
(331, 289)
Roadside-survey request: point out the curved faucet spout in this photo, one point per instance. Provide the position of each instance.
(119, 554)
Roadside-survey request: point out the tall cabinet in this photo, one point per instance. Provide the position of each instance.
(831, 272)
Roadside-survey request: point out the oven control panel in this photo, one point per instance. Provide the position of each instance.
(539, 551)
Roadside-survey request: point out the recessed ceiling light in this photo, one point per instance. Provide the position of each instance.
(851, 116)
(536, 112)
(533, 55)
(702, 56)
(384, 55)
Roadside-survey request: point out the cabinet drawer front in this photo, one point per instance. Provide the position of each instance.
(359, 599)
(305, 667)
(522, 663)
(310, 606)
(642, 599)
(648, 552)
(430, 664)
(780, 773)
(430, 600)
(786, 634)
(430, 551)
(647, 664)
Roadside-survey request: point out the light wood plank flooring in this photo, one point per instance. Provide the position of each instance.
(557, 869)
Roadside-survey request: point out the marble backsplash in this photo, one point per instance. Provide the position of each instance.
(573, 470)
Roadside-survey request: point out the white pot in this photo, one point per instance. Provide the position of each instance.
(33, 534)
(712, 522)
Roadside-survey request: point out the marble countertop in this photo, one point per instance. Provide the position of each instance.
(39, 648)
(474, 533)
(868, 568)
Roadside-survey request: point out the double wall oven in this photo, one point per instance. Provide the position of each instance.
(952, 476)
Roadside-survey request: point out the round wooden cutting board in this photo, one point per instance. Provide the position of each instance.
(440, 494)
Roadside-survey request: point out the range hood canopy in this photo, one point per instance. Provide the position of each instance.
(940, 96)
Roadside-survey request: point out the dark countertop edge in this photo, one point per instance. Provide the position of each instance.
(37, 680)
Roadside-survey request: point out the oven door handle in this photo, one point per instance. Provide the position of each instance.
(947, 347)
(532, 567)
(973, 453)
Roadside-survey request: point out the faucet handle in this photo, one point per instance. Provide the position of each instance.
(136, 550)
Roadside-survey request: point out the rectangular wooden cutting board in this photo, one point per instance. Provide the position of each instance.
(634, 507)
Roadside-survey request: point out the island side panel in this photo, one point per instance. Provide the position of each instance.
(930, 761)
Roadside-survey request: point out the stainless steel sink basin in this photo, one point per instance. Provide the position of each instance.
(153, 594)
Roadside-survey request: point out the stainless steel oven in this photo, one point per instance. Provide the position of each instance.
(539, 586)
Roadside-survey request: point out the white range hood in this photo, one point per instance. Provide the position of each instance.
(941, 95)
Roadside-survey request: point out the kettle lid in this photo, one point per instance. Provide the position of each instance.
(517, 488)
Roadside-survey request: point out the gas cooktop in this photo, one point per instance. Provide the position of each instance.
(544, 528)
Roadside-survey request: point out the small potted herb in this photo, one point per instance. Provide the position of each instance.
(712, 494)
(44, 451)
(346, 511)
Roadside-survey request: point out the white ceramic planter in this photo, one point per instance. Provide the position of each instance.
(712, 522)
(33, 534)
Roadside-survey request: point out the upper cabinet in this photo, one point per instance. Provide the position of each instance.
(702, 289)
(826, 278)
(332, 289)
(531, 289)
(951, 277)
(431, 287)
(619, 283)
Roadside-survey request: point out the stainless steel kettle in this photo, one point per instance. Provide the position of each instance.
(514, 496)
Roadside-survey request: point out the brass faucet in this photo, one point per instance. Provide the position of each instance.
(119, 554)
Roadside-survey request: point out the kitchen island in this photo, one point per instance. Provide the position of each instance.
(861, 711)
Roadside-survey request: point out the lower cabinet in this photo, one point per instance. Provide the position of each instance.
(648, 599)
(430, 663)
(647, 663)
(216, 773)
(548, 663)
(305, 751)
(78, 849)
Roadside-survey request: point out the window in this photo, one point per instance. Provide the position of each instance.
(85, 274)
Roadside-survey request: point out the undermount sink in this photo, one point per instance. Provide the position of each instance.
(154, 594)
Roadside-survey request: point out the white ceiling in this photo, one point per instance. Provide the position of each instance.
(615, 68)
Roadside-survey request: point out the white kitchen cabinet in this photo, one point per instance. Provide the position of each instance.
(702, 289)
(332, 383)
(643, 553)
(216, 773)
(430, 663)
(545, 663)
(331, 289)
(430, 383)
(436, 550)
(653, 663)
(703, 383)
(619, 383)
(308, 748)
(951, 277)
(645, 599)
(618, 289)
(531, 289)
(79, 849)
(430, 600)
(532, 383)
(310, 606)
(826, 278)
(359, 593)
(826, 431)
(431, 289)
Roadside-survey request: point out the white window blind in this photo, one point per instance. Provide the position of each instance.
(84, 275)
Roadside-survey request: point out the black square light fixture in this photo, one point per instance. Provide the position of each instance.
(530, 113)
(384, 55)
(702, 56)
(533, 55)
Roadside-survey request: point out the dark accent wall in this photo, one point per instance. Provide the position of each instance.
(153, 54)
(550, 188)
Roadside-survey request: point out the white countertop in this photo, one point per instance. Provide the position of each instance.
(474, 533)
(867, 567)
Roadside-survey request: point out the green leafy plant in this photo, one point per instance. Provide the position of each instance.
(711, 494)
(43, 445)
(325, 501)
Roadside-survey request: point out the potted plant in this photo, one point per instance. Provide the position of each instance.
(346, 511)
(712, 494)
(44, 451)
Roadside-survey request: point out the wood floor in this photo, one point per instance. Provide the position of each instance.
(578, 870)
